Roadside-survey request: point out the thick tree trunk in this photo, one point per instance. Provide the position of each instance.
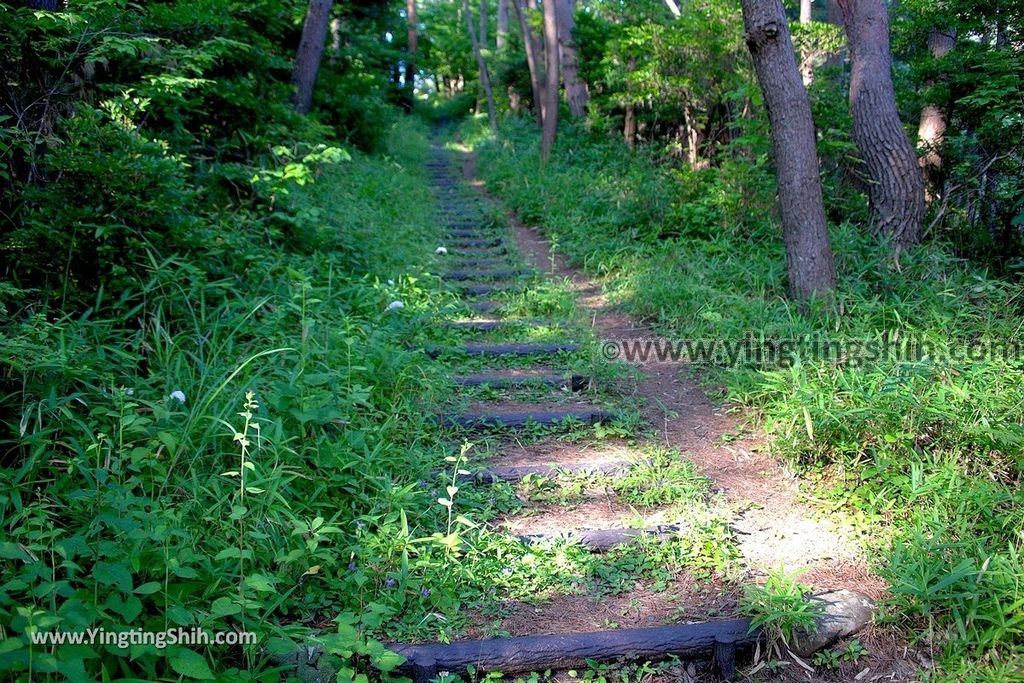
(808, 252)
(501, 38)
(575, 88)
(931, 129)
(532, 59)
(549, 127)
(806, 57)
(897, 183)
(485, 76)
(311, 49)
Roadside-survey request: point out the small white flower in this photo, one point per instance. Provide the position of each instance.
(391, 282)
(441, 251)
(129, 392)
(394, 306)
(179, 395)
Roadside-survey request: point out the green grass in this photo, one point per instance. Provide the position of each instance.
(926, 452)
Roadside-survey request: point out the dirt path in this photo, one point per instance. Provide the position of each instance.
(770, 522)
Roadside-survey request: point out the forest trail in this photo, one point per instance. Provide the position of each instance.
(523, 413)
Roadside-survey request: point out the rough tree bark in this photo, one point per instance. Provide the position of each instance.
(411, 47)
(485, 76)
(501, 37)
(533, 62)
(549, 127)
(575, 88)
(897, 183)
(311, 49)
(931, 129)
(808, 252)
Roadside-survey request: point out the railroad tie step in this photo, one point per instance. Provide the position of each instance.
(573, 382)
(523, 418)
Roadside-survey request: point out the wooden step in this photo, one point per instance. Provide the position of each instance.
(573, 382)
(523, 418)
(498, 473)
(486, 274)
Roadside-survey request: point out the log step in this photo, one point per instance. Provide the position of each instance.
(522, 418)
(561, 651)
(574, 382)
(517, 349)
(499, 473)
(603, 540)
(483, 262)
(477, 243)
(484, 306)
(489, 252)
(467, 289)
(486, 274)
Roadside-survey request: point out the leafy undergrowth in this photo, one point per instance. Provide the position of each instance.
(240, 451)
(924, 448)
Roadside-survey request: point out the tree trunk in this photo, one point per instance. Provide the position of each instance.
(629, 126)
(808, 253)
(806, 57)
(575, 88)
(311, 49)
(673, 7)
(931, 129)
(549, 127)
(485, 76)
(484, 22)
(532, 59)
(897, 183)
(501, 38)
(411, 47)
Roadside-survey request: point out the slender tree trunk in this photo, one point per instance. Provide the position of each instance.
(411, 47)
(673, 7)
(806, 57)
(549, 128)
(335, 41)
(485, 76)
(931, 129)
(808, 252)
(629, 126)
(532, 59)
(311, 49)
(575, 88)
(485, 7)
(501, 37)
(897, 183)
